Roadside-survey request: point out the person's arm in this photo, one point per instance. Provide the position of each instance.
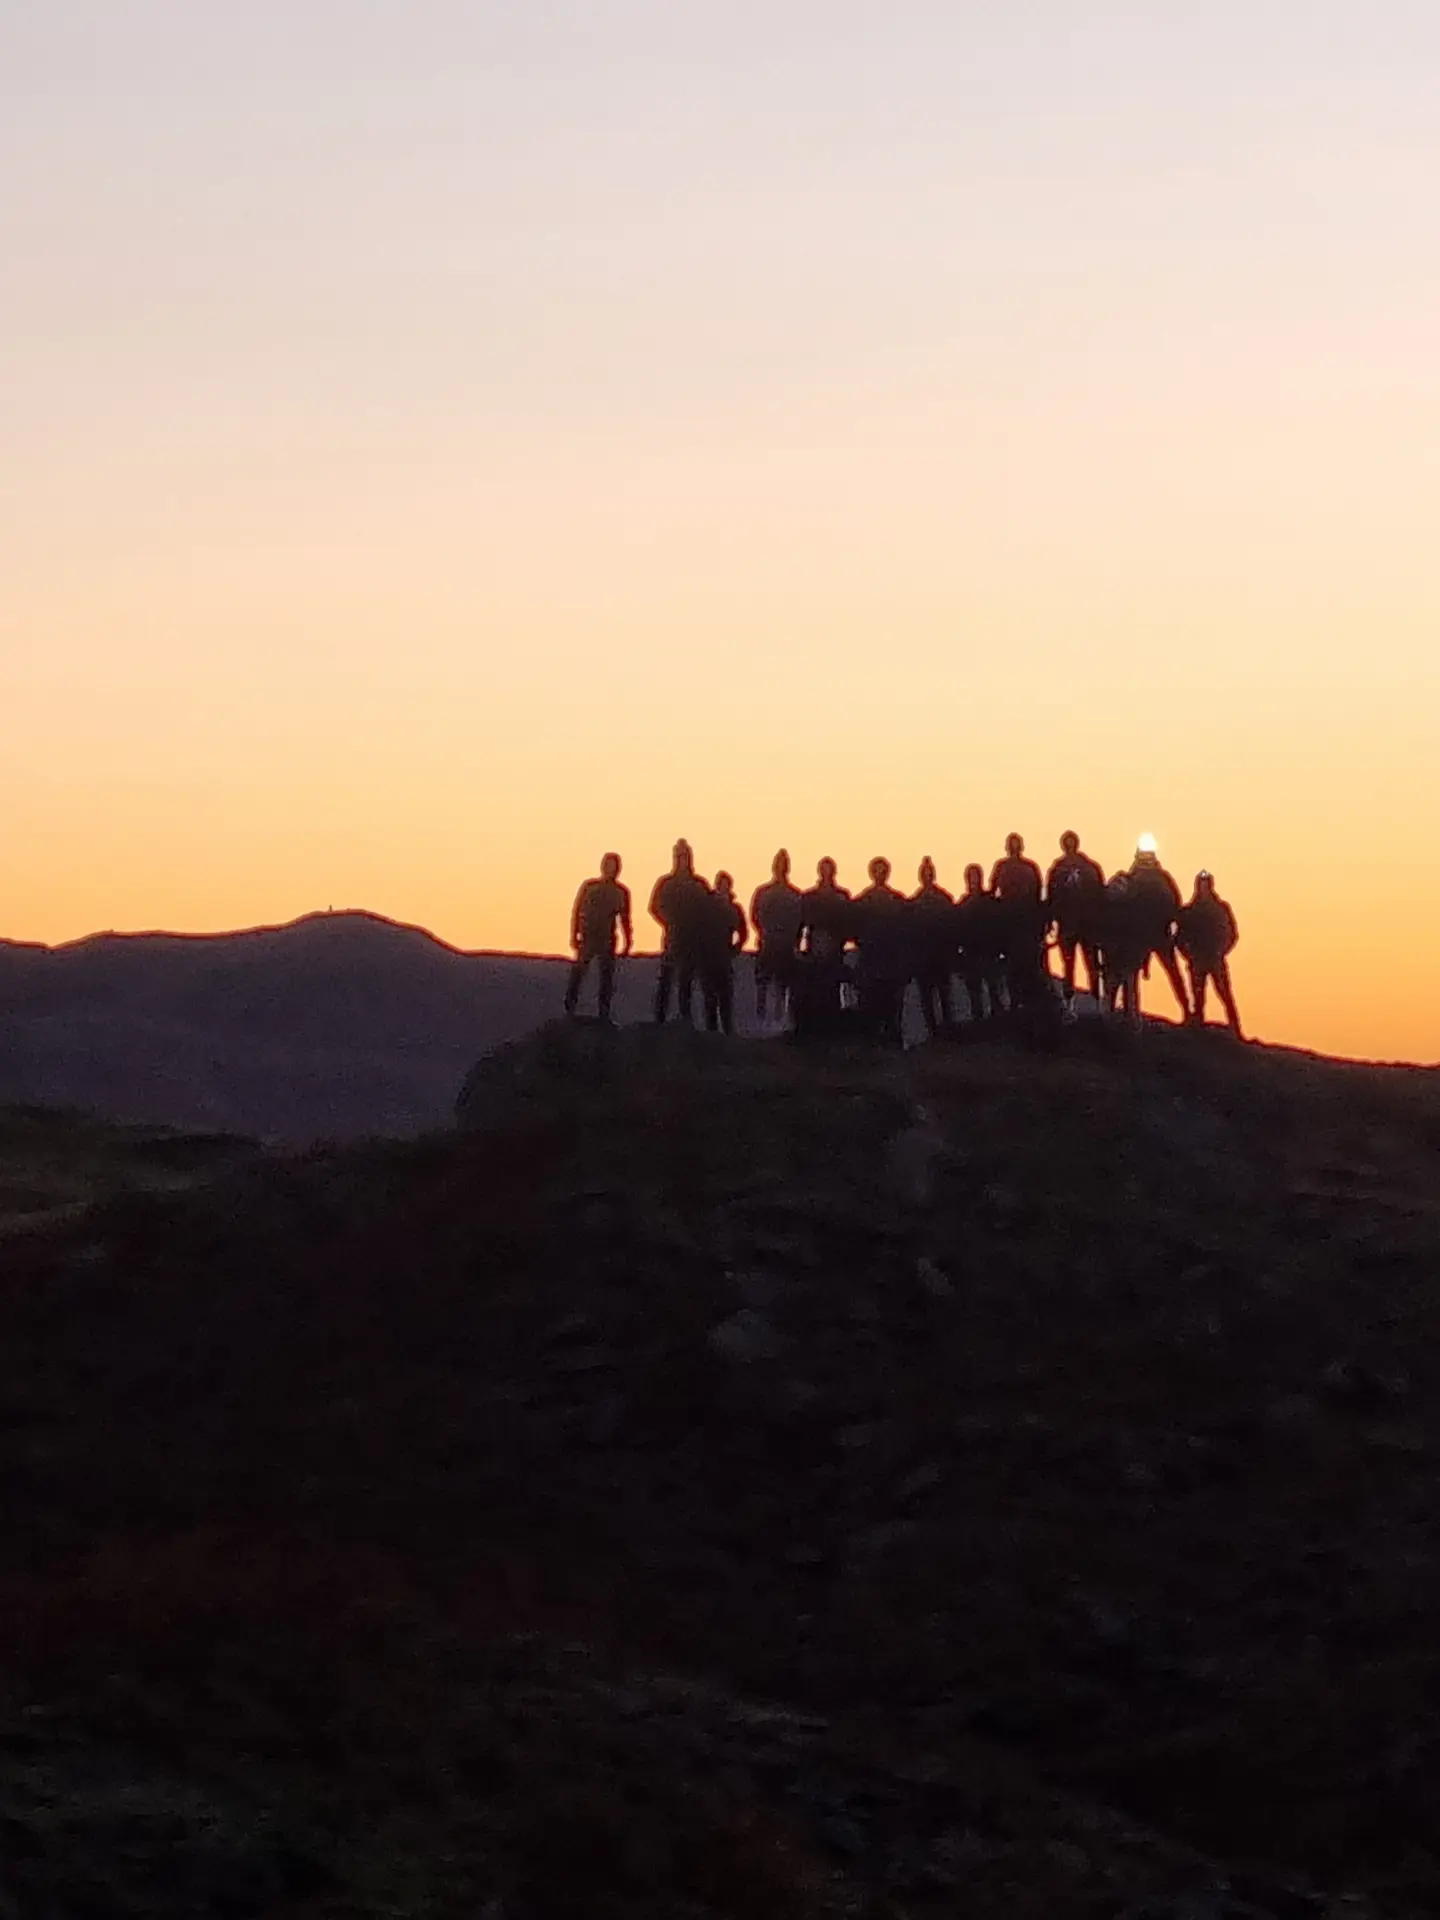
(627, 929)
(655, 894)
(1232, 931)
(577, 915)
(742, 929)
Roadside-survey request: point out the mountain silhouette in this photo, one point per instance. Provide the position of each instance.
(335, 1026)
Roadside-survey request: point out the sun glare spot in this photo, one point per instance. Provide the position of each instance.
(1147, 843)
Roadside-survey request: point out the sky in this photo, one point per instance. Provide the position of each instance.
(446, 441)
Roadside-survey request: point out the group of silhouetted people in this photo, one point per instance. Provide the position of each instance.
(826, 957)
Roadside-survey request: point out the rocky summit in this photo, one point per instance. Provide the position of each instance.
(726, 1479)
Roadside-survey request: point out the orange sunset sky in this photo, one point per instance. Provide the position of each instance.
(442, 442)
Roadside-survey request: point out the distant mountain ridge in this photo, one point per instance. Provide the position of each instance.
(332, 1026)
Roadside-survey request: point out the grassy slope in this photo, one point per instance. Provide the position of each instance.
(735, 1482)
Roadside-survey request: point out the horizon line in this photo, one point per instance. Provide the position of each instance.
(513, 953)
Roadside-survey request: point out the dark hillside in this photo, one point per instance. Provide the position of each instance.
(728, 1481)
(337, 1026)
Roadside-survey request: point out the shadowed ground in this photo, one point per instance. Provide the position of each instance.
(732, 1481)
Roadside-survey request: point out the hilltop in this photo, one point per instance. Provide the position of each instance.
(737, 1481)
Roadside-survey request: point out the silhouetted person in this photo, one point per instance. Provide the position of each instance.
(1156, 904)
(1074, 900)
(826, 914)
(1018, 885)
(881, 927)
(678, 902)
(776, 911)
(601, 908)
(724, 929)
(930, 911)
(978, 931)
(1125, 927)
(1206, 935)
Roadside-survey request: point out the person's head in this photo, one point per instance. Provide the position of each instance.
(927, 872)
(974, 878)
(1069, 843)
(879, 870)
(684, 857)
(610, 867)
(826, 871)
(1015, 845)
(1118, 885)
(1204, 884)
(780, 865)
(724, 884)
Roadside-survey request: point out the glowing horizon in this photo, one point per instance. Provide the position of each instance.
(443, 448)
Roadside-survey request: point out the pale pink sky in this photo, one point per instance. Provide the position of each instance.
(444, 441)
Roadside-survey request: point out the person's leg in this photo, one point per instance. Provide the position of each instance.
(607, 983)
(1092, 966)
(1069, 946)
(579, 966)
(725, 983)
(1167, 959)
(710, 999)
(1227, 997)
(664, 976)
(685, 988)
(929, 997)
(762, 985)
(1027, 983)
(1198, 981)
(1129, 993)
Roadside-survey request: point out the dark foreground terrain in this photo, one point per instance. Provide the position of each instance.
(726, 1481)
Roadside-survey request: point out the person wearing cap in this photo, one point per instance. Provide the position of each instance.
(601, 906)
(1206, 935)
(1154, 901)
(678, 901)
